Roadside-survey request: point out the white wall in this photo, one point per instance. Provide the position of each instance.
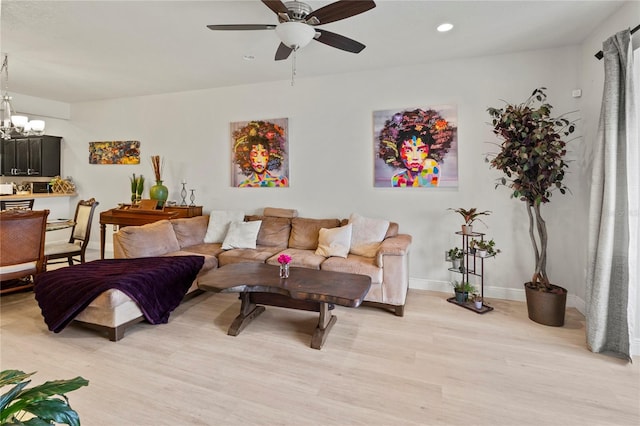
(332, 155)
(592, 80)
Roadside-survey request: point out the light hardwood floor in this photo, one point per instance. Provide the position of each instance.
(437, 365)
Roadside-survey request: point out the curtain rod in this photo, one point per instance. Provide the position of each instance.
(600, 55)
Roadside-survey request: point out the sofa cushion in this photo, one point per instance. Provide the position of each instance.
(190, 231)
(274, 231)
(299, 258)
(305, 232)
(367, 234)
(334, 241)
(210, 262)
(152, 239)
(259, 254)
(218, 226)
(209, 249)
(242, 235)
(354, 264)
(276, 212)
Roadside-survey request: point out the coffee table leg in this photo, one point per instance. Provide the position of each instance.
(325, 323)
(248, 311)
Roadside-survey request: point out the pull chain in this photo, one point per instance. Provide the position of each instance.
(293, 67)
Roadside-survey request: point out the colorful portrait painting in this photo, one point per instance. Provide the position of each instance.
(114, 152)
(259, 153)
(416, 147)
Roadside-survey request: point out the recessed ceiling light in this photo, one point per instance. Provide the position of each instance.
(248, 57)
(443, 28)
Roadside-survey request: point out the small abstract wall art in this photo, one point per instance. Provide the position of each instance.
(416, 147)
(114, 152)
(259, 151)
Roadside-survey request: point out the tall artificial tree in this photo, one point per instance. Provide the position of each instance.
(531, 156)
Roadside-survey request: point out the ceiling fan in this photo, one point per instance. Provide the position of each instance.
(297, 24)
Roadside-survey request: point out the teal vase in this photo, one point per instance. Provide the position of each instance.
(159, 192)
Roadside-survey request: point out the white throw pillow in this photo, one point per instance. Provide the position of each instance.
(334, 241)
(219, 221)
(242, 235)
(367, 234)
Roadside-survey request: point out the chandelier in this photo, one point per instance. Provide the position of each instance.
(10, 123)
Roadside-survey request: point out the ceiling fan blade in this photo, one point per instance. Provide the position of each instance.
(242, 27)
(277, 6)
(340, 10)
(283, 52)
(338, 41)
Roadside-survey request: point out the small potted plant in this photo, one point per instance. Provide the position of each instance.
(462, 290)
(477, 301)
(484, 248)
(470, 216)
(455, 256)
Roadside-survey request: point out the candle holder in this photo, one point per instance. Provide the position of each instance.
(183, 193)
(193, 199)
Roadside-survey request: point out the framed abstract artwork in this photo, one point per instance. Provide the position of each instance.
(416, 147)
(259, 152)
(114, 152)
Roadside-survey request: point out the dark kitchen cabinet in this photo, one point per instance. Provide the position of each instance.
(31, 156)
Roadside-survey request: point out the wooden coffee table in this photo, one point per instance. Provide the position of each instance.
(306, 289)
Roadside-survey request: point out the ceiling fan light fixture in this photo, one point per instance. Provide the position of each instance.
(295, 35)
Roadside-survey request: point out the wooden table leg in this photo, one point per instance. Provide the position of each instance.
(248, 311)
(102, 239)
(325, 323)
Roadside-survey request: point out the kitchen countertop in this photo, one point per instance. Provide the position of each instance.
(37, 195)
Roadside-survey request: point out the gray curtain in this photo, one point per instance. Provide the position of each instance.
(613, 216)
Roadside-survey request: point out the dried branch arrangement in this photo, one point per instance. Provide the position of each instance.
(158, 165)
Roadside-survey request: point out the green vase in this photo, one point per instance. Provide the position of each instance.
(159, 192)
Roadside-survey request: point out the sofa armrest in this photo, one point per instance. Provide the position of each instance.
(393, 246)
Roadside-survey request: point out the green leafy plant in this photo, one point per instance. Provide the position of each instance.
(44, 404)
(531, 156)
(463, 287)
(471, 215)
(455, 253)
(488, 246)
(137, 187)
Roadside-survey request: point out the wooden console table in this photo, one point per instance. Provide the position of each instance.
(126, 216)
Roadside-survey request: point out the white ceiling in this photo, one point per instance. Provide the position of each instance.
(75, 51)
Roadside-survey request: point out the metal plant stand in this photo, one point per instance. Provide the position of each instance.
(472, 265)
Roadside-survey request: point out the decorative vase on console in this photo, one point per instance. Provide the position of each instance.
(158, 191)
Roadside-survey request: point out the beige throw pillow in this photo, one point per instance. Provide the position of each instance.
(367, 234)
(219, 221)
(242, 235)
(334, 241)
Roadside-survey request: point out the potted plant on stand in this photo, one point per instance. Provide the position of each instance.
(455, 256)
(531, 156)
(462, 291)
(484, 248)
(470, 216)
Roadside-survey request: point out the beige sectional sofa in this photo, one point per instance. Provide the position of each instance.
(279, 231)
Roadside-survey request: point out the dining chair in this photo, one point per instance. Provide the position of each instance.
(22, 234)
(79, 238)
(17, 204)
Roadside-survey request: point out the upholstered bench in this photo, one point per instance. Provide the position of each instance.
(113, 294)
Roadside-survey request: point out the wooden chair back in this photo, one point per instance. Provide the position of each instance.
(16, 204)
(22, 234)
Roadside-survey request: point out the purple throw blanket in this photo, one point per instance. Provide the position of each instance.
(156, 284)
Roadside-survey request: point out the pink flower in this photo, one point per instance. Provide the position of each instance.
(284, 259)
